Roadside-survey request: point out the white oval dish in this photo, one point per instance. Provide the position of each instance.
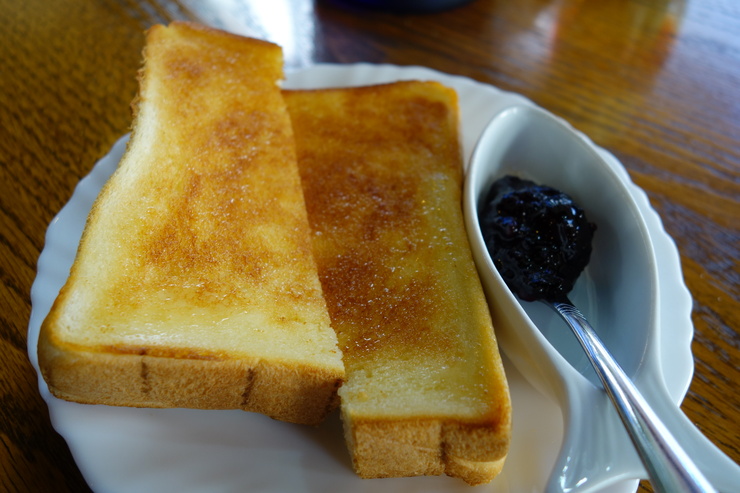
(122, 449)
(618, 292)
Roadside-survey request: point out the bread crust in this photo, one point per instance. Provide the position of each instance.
(283, 391)
(419, 446)
(195, 284)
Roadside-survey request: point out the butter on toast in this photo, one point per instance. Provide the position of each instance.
(425, 391)
(195, 284)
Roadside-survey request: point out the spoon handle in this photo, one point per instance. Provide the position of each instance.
(669, 467)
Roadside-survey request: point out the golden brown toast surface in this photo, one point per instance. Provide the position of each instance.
(381, 171)
(197, 253)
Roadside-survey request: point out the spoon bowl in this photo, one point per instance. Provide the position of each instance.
(618, 289)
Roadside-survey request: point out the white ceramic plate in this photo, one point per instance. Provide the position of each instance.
(138, 450)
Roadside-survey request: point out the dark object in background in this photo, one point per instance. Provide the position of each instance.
(404, 6)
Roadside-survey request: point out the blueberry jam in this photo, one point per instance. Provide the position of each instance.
(538, 238)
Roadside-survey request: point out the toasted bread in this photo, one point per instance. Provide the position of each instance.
(425, 390)
(194, 284)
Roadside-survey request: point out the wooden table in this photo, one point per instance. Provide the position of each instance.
(655, 82)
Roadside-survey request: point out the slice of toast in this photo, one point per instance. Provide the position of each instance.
(425, 391)
(195, 284)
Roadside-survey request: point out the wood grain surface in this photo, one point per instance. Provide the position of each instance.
(655, 82)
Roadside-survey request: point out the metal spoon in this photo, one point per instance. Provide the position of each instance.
(669, 467)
